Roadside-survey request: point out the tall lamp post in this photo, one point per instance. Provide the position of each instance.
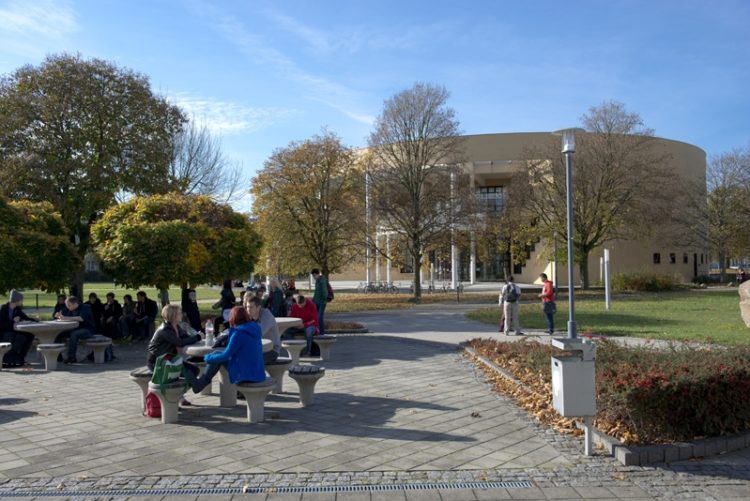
(568, 148)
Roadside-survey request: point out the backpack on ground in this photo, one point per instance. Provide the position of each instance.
(153, 406)
(512, 294)
(330, 296)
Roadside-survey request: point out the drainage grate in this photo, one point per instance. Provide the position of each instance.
(261, 490)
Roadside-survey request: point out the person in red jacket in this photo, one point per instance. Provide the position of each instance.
(308, 313)
(548, 302)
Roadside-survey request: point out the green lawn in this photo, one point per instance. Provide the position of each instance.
(685, 315)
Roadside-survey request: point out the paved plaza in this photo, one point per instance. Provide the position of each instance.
(400, 414)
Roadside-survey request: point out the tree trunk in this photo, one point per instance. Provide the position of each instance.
(417, 275)
(722, 269)
(164, 296)
(584, 268)
(76, 284)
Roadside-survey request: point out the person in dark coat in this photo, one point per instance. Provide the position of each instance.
(111, 317)
(20, 342)
(146, 311)
(190, 309)
(80, 313)
(97, 310)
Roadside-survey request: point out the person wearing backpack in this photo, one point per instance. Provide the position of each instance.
(320, 298)
(509, 297)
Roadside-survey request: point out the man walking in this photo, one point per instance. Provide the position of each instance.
(548, 302)
(320, 298)
(509, 298)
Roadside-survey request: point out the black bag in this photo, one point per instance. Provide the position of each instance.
(512, 295)
(549, 307)
(330, 295)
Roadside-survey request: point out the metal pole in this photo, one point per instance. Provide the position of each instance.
(367, 228)
(607, 292)
(571, 298)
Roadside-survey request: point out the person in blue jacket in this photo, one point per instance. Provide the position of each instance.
(243, 356)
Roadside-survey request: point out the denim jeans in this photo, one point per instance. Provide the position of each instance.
(75, 336)
(309, 334)
(270, 356)
(197, 384)
(321, 318)
(550, 321)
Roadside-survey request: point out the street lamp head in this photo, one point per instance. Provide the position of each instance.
(568, 141)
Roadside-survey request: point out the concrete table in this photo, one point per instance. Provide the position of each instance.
(286, 322)
(46, 331)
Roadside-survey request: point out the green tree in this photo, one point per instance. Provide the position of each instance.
(34, 250)
(308, 201)
(416, 184)
(161, 240)
(619, 179)
(77, 132)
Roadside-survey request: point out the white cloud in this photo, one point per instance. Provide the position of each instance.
(40, 18)
(225, 117)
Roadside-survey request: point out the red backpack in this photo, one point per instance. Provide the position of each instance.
(153, 406)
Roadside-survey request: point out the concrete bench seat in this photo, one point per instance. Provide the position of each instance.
(306, 377)
(99, 345)
(294, 347)
(170, 399)
(142, 376)
(4, 348)
(276, 370)
(255, 397)
(324, 342)
(50, 352)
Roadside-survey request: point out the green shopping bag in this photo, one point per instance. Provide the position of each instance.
(168, 368)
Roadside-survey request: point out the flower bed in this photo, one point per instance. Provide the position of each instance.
(643, 395)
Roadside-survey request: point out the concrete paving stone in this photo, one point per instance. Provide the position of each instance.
(352, 496)
(628, 492)
(277, 496)
(421, 495)
(388, 496)
(457, 495)
(526, 493)
(491, 494)
(560, 493)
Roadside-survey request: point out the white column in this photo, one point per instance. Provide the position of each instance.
(454, 249)
(377, 256)
(473, 260)
(389, 263)
(368, 278)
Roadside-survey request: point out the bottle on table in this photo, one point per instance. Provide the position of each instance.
(209, 332)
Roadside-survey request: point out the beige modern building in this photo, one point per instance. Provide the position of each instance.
(491, 160)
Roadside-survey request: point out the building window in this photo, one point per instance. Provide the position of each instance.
(657, 258)
(701, 258)
(493, 197)
(672, 258)
(684, 258)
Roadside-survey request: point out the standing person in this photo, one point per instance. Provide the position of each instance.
(275, 302)
(269, 328)
(111, 316)
(227, 301)
(308, 313)
(191, 310)
(289, 301)
(146, 310)
(548, 302)
(20, 342)
(80, 313)
(509, 298)
(320, 298)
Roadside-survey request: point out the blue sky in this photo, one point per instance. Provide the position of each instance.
(264, 73)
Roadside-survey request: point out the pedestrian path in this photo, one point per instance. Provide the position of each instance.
(400, 414)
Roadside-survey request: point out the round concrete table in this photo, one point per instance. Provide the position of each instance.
(47, 331)
(285, 322)
(227, 391)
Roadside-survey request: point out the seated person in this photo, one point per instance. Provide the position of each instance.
(268, 326)
(80, 313)
(308, 313)
(20, 342)
(97, 310)
(169, 337)
(111, 317)
(243, 356)
(59, 305)
(145, 316)
(127, 320)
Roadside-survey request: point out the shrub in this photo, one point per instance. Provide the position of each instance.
(706, 279)
(645, 281)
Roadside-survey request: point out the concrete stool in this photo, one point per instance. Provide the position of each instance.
(142, 376)
(98, 344)
(324, 343)
(255, 397)
(306, 377)
(227, 390)
(294, 347)
(50, 352)
(276, 370)
(5, 348)
(170, 400)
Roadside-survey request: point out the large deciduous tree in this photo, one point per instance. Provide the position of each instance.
(620, 179)
(416, 183)
(77, 131)
(161, 240)
(307, 199)
(34, 249)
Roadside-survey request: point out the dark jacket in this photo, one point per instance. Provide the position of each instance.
(113, 311)
(83, 311)
(148, 308)
(227, 299)
(276, 304)
(97, 311)
(167, 340)
(190, 309)
(6, 317)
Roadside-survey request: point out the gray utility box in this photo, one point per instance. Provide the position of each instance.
(573, 386)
